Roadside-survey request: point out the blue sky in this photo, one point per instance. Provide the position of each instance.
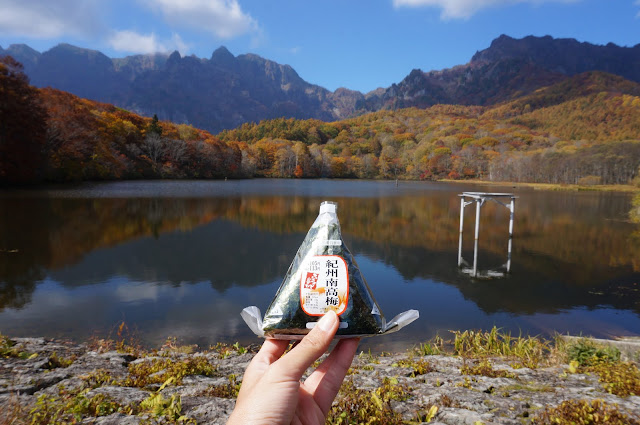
(358, 44)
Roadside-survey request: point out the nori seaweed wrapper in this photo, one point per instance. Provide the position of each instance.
(323, 276)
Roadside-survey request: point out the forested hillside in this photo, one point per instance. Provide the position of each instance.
(51, 135)
(583, 130)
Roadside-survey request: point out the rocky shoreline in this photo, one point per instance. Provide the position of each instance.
(48, 381)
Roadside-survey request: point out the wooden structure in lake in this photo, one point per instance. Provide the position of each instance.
(467, 198)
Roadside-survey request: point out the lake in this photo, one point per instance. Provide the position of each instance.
(182, 258)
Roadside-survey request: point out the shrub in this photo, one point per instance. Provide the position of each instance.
(621, 379)
(587, 352)
(583, 412)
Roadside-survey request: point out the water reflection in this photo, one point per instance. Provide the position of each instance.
(479, 198)
(186, 261)
(472, 269)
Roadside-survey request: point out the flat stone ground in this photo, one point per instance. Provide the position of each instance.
(461, 399)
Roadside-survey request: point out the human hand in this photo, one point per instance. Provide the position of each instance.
(272, 392)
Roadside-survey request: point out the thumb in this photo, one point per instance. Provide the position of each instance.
(313, 345)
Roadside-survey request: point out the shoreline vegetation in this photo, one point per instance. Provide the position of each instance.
(553, 186)
(475, 377)
(582, 131)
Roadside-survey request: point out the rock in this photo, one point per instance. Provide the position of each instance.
(213, 412)
(121, 395)
(70, 384)
(195, 386)
(461, 399)
(452, 416)
(31, 383)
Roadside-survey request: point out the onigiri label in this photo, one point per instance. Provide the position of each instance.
(324, 285)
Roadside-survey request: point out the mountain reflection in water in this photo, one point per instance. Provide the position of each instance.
(183, 258)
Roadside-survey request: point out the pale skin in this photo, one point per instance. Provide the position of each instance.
(272, 392)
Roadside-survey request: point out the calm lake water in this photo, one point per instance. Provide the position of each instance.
(182, 258)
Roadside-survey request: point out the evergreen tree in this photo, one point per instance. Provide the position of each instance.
(154, 127)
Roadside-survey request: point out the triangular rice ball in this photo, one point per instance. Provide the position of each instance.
(323, 276)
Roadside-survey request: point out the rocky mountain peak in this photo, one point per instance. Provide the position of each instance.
(21, 49)
(174, 58)
(563, 55)
(24, 54)
(222, 56)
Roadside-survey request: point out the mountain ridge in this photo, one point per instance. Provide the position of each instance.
(581, 130)
(507, 69)
(225, 91)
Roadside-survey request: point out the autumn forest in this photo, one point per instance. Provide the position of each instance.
(583, 130)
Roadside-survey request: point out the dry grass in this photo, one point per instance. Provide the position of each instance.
(531, 351)
(551, 186)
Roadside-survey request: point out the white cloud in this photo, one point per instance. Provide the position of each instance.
(47, 18)
(130, 41)
(463, 9)
(223, 18)
(637, 3)
(133, 42)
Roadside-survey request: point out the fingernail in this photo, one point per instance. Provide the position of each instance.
(327, 321)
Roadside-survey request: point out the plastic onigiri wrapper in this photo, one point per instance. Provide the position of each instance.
(323, 276)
